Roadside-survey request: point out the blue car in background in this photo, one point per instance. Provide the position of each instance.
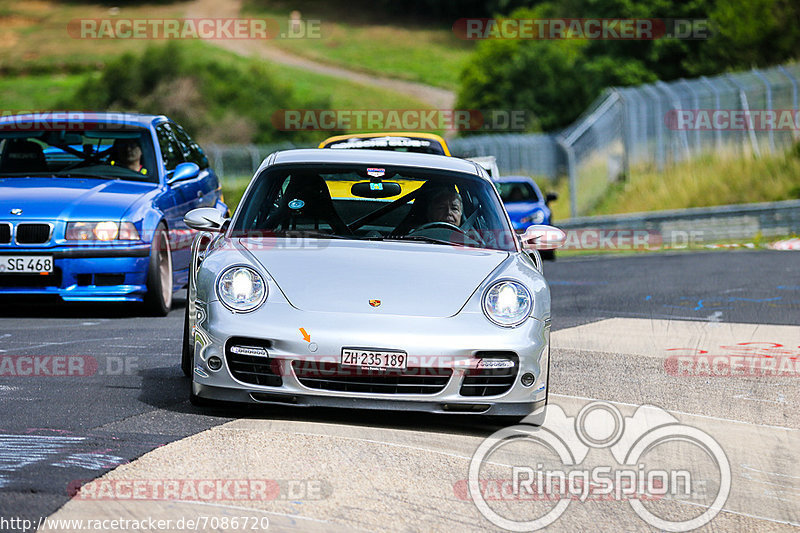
(92, 206)
(525, 204)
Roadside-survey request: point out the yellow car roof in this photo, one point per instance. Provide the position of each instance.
(430, 136)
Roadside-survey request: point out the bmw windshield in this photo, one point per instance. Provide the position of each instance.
(381, 203)
(97, 153)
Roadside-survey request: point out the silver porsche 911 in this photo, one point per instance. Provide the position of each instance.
(369, 279)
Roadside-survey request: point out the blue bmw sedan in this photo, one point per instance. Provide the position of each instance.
(524, 201)
(92, 206)
(525, 204)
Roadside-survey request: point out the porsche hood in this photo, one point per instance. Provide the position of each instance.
(410, 279)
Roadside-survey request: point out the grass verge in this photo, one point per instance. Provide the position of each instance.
(710, 180)
(430, 55)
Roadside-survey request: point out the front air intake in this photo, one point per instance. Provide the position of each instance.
(33, 233)
(494, 376)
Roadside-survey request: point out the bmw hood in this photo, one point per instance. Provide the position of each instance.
(68, 198)
(410, 279)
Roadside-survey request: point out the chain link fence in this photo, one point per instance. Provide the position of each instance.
(658, 124)
(625, 129)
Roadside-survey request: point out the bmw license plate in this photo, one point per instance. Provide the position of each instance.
(26, 264)
(374, 358)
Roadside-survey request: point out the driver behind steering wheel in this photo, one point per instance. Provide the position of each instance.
(445, 206)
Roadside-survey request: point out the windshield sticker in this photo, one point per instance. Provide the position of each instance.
(296, 204)
(376, 172)
(383, 142)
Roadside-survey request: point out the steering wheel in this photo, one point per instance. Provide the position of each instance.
(445, 225)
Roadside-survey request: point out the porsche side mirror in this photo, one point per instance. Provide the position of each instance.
(205, 219)
(542, 237)
(550, 197)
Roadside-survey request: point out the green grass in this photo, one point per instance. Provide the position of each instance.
(710, 180)
(309, 86)
(38, 92)
(44, 91)
(34, 34)
(430, 55)
(233, 188)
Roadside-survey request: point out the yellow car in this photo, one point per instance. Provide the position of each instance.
(424, 143)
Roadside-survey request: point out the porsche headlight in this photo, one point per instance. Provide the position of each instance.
(241, 289)
(507, 303)
(101, 231)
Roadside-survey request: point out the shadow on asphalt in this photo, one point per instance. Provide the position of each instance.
(167, 388)
(35, 307)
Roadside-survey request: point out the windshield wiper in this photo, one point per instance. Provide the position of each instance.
(82, 175)
(420, 238)
(309, 233)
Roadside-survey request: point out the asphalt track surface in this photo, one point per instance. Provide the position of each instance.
(57, 432)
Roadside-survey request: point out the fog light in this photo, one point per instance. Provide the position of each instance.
(214, 363)
(527, 379)
(249, 350)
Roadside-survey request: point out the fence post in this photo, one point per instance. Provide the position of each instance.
(746, 109)
(626, 141)
(219, 167)
(676, 102)
(696, 102)
(770, 134)
(659, 125)
(571, 173)
(717, 132)
(795, 131)
(255, 159)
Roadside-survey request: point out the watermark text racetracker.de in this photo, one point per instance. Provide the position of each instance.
(744, 359)
(201, 490)
(733, 119)
(624, 29)
(400, 119)
(525, 477)
(193, 28)
(73, 366)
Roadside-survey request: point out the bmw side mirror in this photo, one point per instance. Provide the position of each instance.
(184, 171)
(542, 237)
(205, 219)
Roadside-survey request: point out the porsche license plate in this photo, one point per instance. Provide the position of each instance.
(374, 358)
(26, 264)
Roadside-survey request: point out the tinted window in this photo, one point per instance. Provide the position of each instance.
(100, 150)
(518, 191)
(171, 152)
(342, 201)
(191, 150)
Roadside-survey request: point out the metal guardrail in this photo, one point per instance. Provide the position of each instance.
(703, 224)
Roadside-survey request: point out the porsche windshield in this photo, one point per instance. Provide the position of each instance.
(102, 153)
(381, 203)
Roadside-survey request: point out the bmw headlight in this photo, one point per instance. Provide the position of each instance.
(241, 289)
(101, 231)
(507, 303)
(537, 217)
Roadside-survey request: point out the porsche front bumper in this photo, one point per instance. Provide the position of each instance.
(450, 347)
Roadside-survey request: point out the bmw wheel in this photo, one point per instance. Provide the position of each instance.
(158, 299)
